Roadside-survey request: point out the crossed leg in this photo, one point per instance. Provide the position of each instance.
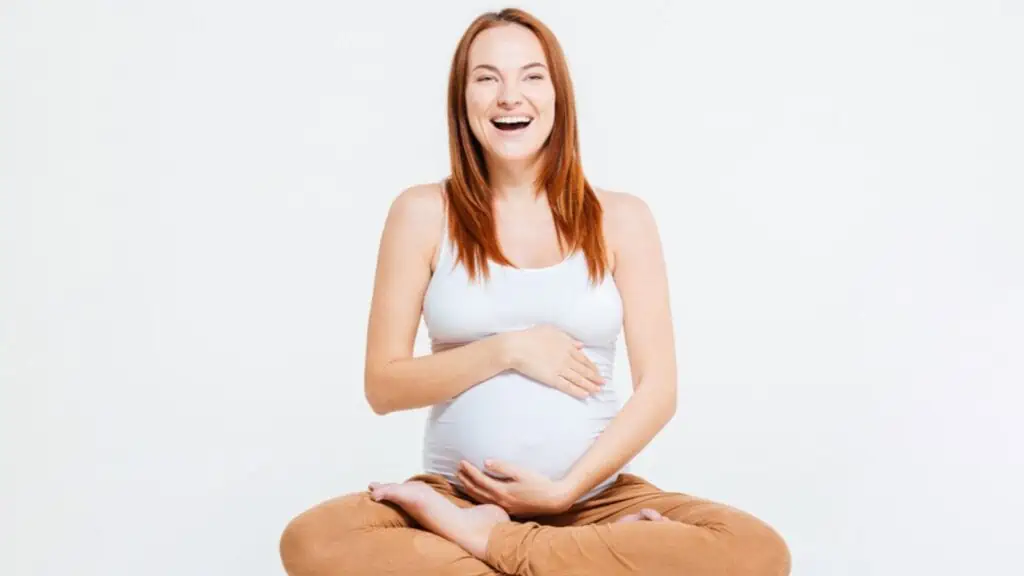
(353, 535)
(703, 538)
(604, 536)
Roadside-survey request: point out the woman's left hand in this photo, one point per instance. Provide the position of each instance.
(524, 493)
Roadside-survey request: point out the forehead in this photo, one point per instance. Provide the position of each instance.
(507, 46)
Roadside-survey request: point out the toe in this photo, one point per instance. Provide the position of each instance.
(651, 514)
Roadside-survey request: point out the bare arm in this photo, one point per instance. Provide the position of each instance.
(394, 380)
(641, 278)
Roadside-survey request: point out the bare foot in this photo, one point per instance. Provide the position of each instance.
(467, 527)
(644, 514)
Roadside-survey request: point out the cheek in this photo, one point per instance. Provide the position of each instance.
(477, 102)
(543, 97)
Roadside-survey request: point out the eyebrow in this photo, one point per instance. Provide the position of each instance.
(495, 69)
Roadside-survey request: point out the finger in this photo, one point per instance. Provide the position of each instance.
(482, 481)
(588, 372)
(502, 469)
(585, 360)
(474, 491)
(567, 386)
(471, 484)
(581, 382)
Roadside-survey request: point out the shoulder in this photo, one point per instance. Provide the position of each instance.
(418, 204)
(629, 223)
(416, 216)
(418, 209)
(623, 210)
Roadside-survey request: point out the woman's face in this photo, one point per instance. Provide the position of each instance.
(510, 100)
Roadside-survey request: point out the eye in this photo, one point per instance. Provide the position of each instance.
(483, 78)
(535, 77)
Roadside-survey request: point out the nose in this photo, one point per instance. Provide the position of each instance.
(509, 96)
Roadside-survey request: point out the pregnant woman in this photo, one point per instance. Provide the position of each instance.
(524, 275)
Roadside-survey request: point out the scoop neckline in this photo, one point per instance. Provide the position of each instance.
(541, 268)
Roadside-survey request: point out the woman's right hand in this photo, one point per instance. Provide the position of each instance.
(555, 359)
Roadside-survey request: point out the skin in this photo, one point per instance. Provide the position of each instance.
(508, 76)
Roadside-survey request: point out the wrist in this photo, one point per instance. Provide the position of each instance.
(568, 492)
(507, 350)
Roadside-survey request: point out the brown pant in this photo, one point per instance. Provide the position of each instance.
(354, 536)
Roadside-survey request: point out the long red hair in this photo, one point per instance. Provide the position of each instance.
(574, 205)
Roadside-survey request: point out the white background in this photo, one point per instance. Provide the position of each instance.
(191, 196)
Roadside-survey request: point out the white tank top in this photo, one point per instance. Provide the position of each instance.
(510, 416)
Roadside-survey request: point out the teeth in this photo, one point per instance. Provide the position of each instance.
(511, 119)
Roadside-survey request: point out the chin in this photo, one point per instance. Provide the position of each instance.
(517, 153)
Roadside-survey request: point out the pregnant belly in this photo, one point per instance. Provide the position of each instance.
(515, 419)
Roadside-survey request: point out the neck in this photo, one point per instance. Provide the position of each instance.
(515, 180)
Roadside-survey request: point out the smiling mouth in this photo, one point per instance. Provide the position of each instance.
(511, 123)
